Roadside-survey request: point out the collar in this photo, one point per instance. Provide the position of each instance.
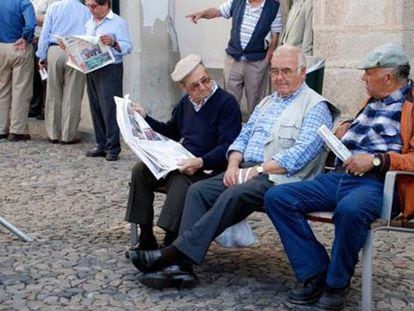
(110, 15)
(257, 7)
(196, 106)
(398, 96)
(290, 97)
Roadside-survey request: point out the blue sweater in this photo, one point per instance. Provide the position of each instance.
(206, 133)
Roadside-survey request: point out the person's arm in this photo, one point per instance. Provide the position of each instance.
(307, 42)
(29, 17)
(272, 46)
(233, 167)
(207, 14)
(121, 41)
(169, 128)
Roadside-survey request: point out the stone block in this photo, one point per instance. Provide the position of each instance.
(344, 88)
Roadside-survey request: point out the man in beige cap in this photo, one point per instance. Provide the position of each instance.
(380, 139)
(206, 120)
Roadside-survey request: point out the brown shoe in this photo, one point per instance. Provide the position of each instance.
(71, 142)
(18, 137)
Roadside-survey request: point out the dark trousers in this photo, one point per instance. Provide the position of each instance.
(355, 202)
(37, 104)
(103, 85)
(211, 207)
(140, 208)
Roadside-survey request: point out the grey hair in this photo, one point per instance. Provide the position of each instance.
(402, 72)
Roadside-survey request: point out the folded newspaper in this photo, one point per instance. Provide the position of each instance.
(86, 53)
(337, 147)
(160, 154)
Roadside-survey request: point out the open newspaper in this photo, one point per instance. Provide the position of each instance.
(160, 154)
(86, 53)
(337, 147)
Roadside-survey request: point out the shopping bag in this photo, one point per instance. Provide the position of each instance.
(239, 235)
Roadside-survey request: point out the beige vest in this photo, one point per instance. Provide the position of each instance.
(286, 130)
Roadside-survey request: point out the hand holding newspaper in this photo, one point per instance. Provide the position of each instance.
(337, 147)
(86, 53)
(160, 154)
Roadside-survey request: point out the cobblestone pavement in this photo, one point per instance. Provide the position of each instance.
(74, 207)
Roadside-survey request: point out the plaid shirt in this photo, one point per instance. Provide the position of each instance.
(259, 128)
(377, 128)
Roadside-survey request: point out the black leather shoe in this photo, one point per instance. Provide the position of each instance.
(95, 152)
(148, 261)
(111, 157)
(19, 137)
(142, 246)
(171, 276)
(309, 292)
(333, 298)
(4, 136)
(71, 142)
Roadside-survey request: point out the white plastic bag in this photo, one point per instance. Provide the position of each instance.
(239, 235)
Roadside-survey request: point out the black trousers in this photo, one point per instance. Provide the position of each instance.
(103, 85)
(211, 207)
(140, 208)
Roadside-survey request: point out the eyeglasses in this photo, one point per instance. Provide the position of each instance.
(195, 86)
(284, 72)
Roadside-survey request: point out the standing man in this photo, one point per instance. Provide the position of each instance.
(248, 53)
(37, 104)
(17, 25)
(299, 28)
(105, 83)
(65, 87)
(279, 144)
(380, 139)
(207, 120)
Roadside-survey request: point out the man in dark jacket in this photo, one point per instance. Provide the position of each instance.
(207, 120)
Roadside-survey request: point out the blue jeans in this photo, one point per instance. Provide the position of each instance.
(356, 203)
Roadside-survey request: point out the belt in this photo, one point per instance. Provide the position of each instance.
(53, 44)
(342, 170)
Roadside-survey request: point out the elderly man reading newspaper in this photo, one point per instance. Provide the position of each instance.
(207, 120)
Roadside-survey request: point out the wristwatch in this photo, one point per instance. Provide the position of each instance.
(376, 161)
(259, 169)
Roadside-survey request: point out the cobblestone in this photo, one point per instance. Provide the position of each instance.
(74, 207)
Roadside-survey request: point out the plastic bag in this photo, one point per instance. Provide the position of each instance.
(239, 235)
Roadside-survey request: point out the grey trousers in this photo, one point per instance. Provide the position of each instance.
(140, 208)
(211, 207)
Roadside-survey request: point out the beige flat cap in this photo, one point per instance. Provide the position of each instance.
(185, 66)
(385, 56)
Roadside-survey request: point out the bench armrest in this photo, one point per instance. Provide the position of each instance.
(389, 186)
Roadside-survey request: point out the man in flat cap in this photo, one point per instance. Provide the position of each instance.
(206, 120)
(278, 144)
(380, 138)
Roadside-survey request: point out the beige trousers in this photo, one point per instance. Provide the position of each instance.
(16, 88)
(64, 94)
(252, 76)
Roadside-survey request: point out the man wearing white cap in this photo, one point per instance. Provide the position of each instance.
(380, 138)
(207, 120)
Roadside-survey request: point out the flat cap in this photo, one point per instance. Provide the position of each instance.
(185, 66)
(385, 56)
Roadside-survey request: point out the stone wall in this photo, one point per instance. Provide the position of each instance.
(345, 31)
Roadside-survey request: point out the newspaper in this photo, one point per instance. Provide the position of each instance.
(337, 147)
(86, 53)
(160, 154)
